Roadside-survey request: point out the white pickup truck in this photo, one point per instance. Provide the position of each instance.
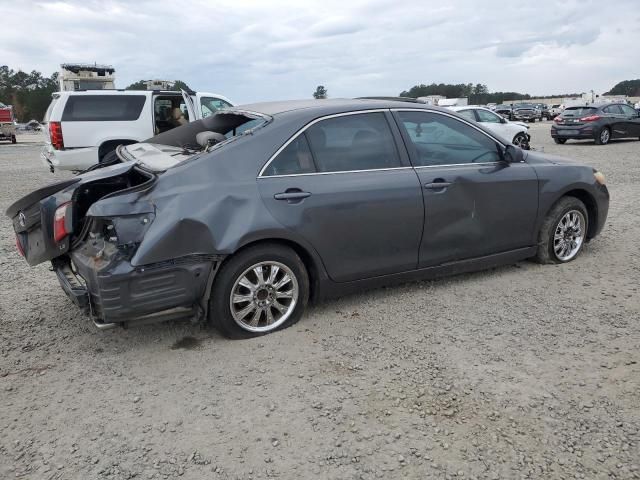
(84, 126)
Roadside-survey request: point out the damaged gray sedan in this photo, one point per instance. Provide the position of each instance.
(243, 217)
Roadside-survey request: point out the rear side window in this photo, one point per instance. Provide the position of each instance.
(103, 108)
(353, 142)
(294, 159)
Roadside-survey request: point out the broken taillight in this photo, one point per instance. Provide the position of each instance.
(62, 222)
(55, 134)
(19, 246)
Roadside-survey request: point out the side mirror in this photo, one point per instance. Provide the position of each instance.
(513, 154)
(503, 120)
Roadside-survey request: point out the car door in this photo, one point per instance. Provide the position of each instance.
(475, 203)
(632, 120)
(617, 121)
(343, 185)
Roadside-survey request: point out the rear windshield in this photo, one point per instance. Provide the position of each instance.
(103, 108)
(579, 111)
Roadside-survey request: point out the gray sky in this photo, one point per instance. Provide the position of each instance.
(273, 49)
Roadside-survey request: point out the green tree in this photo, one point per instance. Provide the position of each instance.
(320, 92)
(631, 88)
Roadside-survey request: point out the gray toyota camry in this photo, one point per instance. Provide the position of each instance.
(243, 217)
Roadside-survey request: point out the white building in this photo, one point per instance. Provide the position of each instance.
(84, 76)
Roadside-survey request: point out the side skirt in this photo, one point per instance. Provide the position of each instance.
(330, 289)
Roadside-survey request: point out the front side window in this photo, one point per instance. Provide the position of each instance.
(488, 117)
(353, 142)
(103, 108)
(442, 140)
(612, 109)
(627, 110)
(294, 159)
(210, 105)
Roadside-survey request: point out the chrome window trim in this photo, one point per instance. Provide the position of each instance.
(378, 110)
(337, 172)
(458, 165)
(310, 124)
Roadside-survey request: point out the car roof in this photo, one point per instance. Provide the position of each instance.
(329, 106)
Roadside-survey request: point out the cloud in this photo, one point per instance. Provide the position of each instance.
(255, 50)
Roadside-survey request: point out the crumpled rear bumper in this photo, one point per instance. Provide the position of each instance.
(118, 293)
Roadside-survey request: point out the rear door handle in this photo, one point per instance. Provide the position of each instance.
(437, 185)
(292, 196)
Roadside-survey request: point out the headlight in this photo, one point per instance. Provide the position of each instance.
(599, 176)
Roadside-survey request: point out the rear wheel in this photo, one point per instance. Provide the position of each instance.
(14, 139)
(563, 232)
(560, 141)
(259, 290)
(603, 136)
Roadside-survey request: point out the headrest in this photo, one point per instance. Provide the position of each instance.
(364, 137)
(206, 139)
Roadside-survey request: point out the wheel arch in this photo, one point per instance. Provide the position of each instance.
(589, 202)
(310, 259)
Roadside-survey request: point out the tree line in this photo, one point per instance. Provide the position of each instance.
(478, 94)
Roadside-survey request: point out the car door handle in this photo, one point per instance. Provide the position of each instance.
(437, 185)
(292, 196)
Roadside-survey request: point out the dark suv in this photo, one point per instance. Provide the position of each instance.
(601, 123)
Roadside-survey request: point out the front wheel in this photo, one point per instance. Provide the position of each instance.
(560, 141)
(13, 139)
(563, 232)
(259, 290)
(520, 140)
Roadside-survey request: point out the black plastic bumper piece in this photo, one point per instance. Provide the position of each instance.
(118, 292)
(71, 285)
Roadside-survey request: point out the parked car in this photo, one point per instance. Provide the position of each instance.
(600, 123)
(514, 132)
(287, 201)
(555, 110)
(545, 111)
(84, 126)
(505, 111)
(526, 112)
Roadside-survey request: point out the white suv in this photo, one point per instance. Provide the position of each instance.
(86, 125)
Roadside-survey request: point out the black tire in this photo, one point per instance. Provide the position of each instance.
(560, 141)
(603, 137)
(520, 140)
(237, 266)
(14, 139)
(546, 253)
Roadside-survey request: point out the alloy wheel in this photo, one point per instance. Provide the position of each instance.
(264, 296)
(569, 235)
(605, 136)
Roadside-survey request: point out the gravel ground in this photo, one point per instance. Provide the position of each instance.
(525, 371)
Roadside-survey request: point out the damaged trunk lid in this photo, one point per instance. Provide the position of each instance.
(49, 221)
